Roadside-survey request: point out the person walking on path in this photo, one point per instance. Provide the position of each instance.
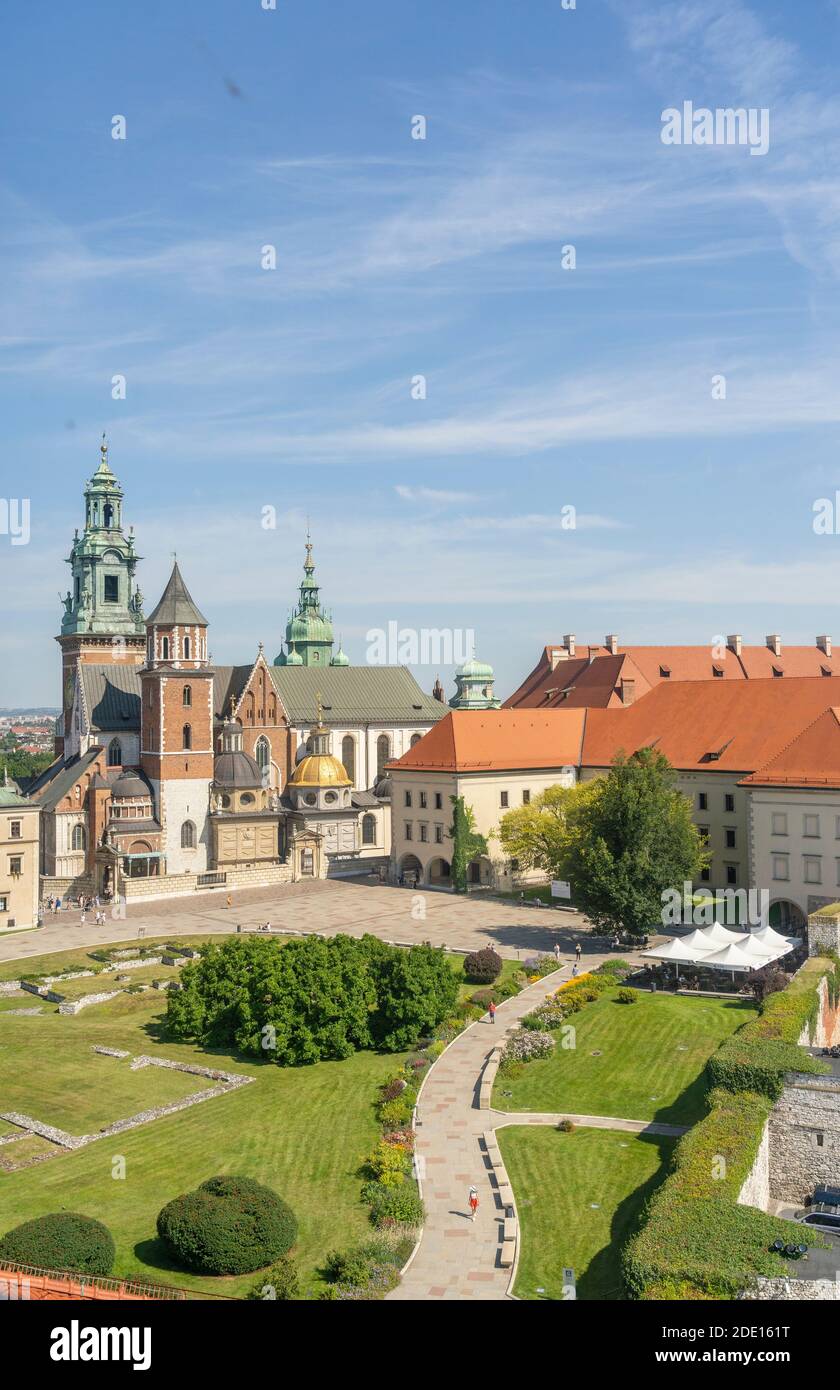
(557, 952)
(491, 1009)
(473, 1202)
(574, 970)
(577, 950)
(229, 901)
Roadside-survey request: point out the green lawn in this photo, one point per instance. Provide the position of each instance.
(651, 1063)
(557, 1178)
(302, 1131)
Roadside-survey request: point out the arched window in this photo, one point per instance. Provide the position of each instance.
(164, 648)
(415, 738)
(79, 837)
(187, 742)
(262, 753)
(383, 752)
(368, 830)
(187, 648)
(188, 835)
(115, 753)
(348, 755)
(187, 694)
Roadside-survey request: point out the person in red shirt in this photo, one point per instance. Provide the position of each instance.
(473, 1202)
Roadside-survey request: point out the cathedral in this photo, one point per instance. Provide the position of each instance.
(174, 774)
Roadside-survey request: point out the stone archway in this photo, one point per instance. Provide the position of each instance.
(410, 870)
(787, 916)
(439, 873)
(479, 872)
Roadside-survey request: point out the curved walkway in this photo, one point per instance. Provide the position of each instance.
(457, 1258)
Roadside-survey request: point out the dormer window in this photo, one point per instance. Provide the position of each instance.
(717, 671)
(826, 671)
(777, 671)
(664, 672)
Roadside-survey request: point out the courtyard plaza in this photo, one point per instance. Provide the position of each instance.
(463, 923)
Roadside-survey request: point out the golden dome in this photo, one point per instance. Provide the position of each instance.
(320, 770)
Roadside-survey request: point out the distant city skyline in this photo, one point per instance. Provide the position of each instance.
(546, 387)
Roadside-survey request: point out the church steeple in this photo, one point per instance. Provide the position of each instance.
(103, 563)
(309, 632)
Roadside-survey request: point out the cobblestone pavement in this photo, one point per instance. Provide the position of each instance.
(396, 914)
(458, 1258)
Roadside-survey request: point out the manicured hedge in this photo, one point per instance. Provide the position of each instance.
(229, 1225)
(484, 966)
(696, 1238)
(758, 1055)
(63, 1240)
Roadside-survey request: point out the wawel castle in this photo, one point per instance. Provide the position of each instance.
(175, 774)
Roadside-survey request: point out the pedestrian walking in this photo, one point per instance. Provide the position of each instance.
(57, 907)
(492, 1011)
(473, 1202)
(82, 918)
(574, 969)
(556, 952)
(229, 900)
(577, 950)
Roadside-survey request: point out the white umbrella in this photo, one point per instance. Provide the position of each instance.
(698, 942)
(734, 957)
(676, 950)
(768, 936)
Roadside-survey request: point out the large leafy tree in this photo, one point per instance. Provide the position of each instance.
(467, 844)
(633, 839)
(539, 835)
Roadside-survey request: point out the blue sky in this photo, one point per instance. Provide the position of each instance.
(547, 387)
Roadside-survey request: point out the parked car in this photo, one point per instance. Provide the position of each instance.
(821, 1217)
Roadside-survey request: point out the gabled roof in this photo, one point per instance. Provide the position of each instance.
(227, 681)
(65, 780)
(112, 696)
(11, 799)
(176, 605)
(736, 726)
(354, 695)
(498, 740)
(812, 759)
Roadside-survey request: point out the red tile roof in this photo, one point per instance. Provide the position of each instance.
(593, 675)
(498, 740)
(812, 759)
(737, 726)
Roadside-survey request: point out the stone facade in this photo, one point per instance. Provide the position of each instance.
(804, 1131)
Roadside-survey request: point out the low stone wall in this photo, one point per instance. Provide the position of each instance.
(756, 1189)
(794, 1291)
(804, 1135)
(184, 885)
(75, 1006)
(10, 987)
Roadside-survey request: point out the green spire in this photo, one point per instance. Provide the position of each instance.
(309, 633)
(103, 563)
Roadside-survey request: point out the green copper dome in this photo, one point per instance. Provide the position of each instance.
(474, 681)
(309, 631)
(341, 658)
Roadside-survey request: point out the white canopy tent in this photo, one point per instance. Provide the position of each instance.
(721, 949)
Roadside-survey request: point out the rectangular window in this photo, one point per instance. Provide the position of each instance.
(705, 875)
(424, 833)
(811, 827)
(526, 798)
(779, 823)
(408, 830)
(729, 802)
(503, 798)
(730, 838)
(811, 868)
(14, 829)
(702, 801)
(408, 798)
(439, 835)
(439, 802)
(781, 868)
(703, 832)
(731, 875)
(15, 866)
(423, 801)
(4, 904)
(112, 588)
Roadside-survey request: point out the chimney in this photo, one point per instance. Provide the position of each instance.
(628, 691)
(774, 642)
(555, 654)
(569, 643)
(611, 643)
(734, 643)
(824, 644)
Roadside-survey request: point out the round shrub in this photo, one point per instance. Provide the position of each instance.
(484, 966)
(229, 1225)
(566, 1126)
(64, 1240)
(627, 996)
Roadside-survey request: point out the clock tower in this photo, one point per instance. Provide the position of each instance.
(103, 609)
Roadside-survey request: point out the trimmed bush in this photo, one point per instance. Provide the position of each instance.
(484, 966)
(229, 1225)
(63, 1240)
(627, 996)
(279, 1281)
(758, 1055)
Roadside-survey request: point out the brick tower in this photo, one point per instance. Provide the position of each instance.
(103, 611)
(176, 726)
